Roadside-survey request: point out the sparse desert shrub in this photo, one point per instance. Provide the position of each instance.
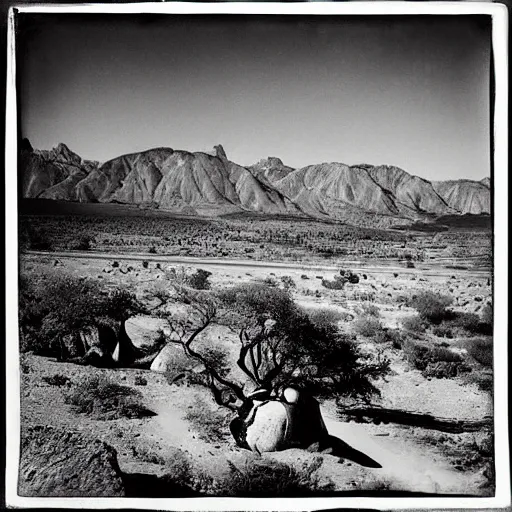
(414, 324)
(98, 396)
(445, 369)
(199, 280)
(484, 381)
(140, 380)
(270, 281)
(444, 354)
(180, 469)
(487, 314)
(334, 284)
(438, 362)
(363, 296)
(395, 337)
(288, 282)
(177, 469)
(56, 380)
(380, 336)
(431, 306)
(325, 317)
(368, 326)
(442, 331)
(469, 323)
(481, 349)
(260, 477)
(83, 243)
(339, 281)
(211, 425)
(370, 309)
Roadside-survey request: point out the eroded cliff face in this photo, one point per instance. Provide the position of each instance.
(465, 196)
(209, 182)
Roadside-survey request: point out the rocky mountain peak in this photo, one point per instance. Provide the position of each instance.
(271, 161)
(62, 152)
(219, 152)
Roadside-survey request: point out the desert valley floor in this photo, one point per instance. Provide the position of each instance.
(413, 459)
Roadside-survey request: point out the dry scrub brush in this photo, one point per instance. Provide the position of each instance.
(261, 477)
(99, 396)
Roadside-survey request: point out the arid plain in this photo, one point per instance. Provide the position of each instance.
(429, 425)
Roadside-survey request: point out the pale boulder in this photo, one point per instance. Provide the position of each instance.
(145, 332)
(271, 428)
(171, 359)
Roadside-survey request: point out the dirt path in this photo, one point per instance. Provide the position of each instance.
(405, 465)
(247, 265)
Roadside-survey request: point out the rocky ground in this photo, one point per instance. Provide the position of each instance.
(412, 459)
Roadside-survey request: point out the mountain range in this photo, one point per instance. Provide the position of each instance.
(208, 183)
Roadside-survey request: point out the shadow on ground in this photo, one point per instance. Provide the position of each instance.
(343, 450)
(141, 485)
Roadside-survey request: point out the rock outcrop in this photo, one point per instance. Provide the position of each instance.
(412, 192)
(56, 462)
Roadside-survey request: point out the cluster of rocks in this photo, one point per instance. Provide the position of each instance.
(138, 342)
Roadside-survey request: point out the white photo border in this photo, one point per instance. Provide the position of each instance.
(499, 15)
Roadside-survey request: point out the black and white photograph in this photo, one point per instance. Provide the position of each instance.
(255, 255)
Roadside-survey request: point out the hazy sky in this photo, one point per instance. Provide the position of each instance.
(402, 91)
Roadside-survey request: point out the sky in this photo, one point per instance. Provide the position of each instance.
(409, 92)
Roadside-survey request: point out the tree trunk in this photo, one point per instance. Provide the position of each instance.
(381, 415)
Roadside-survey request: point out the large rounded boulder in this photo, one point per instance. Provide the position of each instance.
(270, 429)
(172, 360)
(145, 332)
(56, 462)
(278, 425)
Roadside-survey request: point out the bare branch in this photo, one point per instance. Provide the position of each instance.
(253, 363)
(217, 394)
(241, 362)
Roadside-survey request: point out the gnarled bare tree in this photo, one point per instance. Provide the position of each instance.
(279, 342)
